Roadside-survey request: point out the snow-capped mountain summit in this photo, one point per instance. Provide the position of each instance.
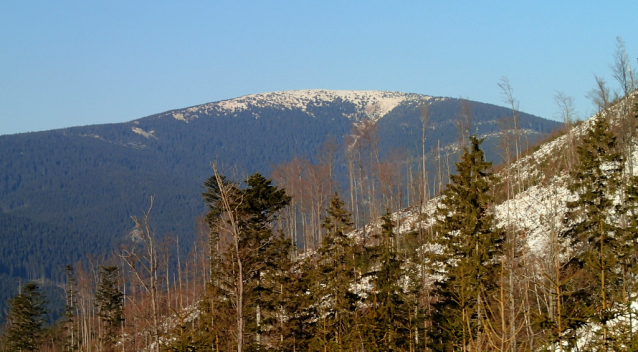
(372, 104)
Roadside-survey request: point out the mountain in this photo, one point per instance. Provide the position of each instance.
(71, 192)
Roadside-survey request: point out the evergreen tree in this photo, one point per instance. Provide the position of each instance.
(184, 338)
(218, 308)
(302, 317)
(628, 261)
(332, 297)
(387, 322)
(268, 260)
(25, 319)
(109, 302)
(592, 229)
(262, 256)
(466, 258)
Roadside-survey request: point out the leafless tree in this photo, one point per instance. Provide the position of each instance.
(567, 114)
(143, 263)
(600, 95)
(464, 123)
(230, 226)
(622, 69)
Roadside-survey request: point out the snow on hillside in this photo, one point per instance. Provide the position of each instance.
(371, 104)
(149, 134)
(538, 210)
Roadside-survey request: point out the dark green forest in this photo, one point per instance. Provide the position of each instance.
(68, 194)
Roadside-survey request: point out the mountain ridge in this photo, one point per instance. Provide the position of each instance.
(374, 104)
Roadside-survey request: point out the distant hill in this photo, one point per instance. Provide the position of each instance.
(71, 192)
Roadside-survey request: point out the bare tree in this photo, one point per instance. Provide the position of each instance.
(512, 240)
(143, 263)
(622, 69)
(567, 113)
(508, 97)
(230, 206)
(464, 123)
(600, 95)
(425, 111)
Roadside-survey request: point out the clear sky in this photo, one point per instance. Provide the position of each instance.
(70, 63)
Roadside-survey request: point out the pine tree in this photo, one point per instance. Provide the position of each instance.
(109, 302)
(302, 317)
(25, 319)
(592, 228)
(387, 322)
(184, 338)
(247, 275)
(467, 259)
(332, 297)
(269, 258)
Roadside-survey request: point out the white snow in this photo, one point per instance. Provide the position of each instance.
(372, 104)
(179, 116)
(537, 211)
(140, 131)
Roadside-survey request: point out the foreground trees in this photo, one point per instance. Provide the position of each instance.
(334, 299)
(392, 315)
(259, 299)
(249, 260)
(25, 319)
(466, 257)
(599, 230)
(108, 300)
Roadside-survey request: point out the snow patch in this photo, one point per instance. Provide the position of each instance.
(91, 135)
(143, 133)
(179, 116)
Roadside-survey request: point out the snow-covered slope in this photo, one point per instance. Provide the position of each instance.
(538, 209)
(370, 104)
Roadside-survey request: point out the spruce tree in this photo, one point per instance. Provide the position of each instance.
(302, 314)
(25, 319)
(387, 322)
(218, 310)
(109, 302)
(332, 296)
(466, 257)
(628, 261)
(261, 257)
(269, 260)
(183, 338)
(593, 231)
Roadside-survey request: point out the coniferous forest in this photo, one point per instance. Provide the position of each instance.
(294, 264)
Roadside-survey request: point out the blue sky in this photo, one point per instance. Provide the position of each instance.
(70, 63)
